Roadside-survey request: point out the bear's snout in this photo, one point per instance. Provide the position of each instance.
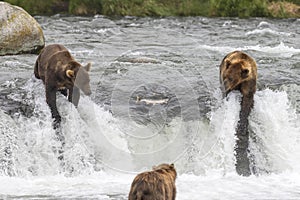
(245, 73)
(228, 82)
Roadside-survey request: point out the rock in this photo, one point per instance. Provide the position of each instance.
(19, 31)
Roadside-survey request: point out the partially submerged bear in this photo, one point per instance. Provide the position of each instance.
(158, 184)
(60, 72)
(238, 71)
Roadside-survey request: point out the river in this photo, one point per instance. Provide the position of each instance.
(114, 134)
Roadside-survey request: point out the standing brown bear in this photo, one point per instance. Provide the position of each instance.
(238, 71)
(158, 184)
(60, 72)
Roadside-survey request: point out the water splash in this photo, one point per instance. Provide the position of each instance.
(96, 140)
(275, 131)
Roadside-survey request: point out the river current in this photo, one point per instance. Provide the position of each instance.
(173, 63)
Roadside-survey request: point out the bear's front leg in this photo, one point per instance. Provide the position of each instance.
(51, 101)
(242, 134)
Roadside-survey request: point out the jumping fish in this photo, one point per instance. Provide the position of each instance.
(152, 101)
(139, 60)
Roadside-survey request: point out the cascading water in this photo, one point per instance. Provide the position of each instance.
(28, 142)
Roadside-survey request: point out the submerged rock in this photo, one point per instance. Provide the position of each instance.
(15, 100)
(19, 31)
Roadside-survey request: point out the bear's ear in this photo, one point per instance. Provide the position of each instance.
(70, 73)
(172, 165)
(227, 64)
(88, 67)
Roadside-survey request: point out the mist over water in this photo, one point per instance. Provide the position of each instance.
(111, 135)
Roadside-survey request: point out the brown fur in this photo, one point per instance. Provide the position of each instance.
(60, 72)
(158, 184)
(238, 71)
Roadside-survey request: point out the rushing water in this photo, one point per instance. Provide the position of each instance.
(111, 136)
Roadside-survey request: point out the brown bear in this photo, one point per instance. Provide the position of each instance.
(158, 184)
(60, 72)
(238, 71)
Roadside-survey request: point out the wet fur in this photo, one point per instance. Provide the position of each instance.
(238, 71)
(58, 71)
(158, 184)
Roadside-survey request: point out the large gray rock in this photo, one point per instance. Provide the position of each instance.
(19, 31)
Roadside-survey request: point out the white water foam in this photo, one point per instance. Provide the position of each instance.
(105, 186)
(94, 138)
(267, 31)
(280, 50)
(206, 169)
(264, 24)
(35, 137)
(275, 126)
(14, 64)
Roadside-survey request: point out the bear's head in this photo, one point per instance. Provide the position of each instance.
(166, 169)
(237, 68)
(79, 76)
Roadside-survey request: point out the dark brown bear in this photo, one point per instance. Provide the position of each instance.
(238, 71)
(60, 72)
(158, 184)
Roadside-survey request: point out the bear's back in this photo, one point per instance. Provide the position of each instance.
(48, 51)
(49, 58)
(59, 58)
(153, 185)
